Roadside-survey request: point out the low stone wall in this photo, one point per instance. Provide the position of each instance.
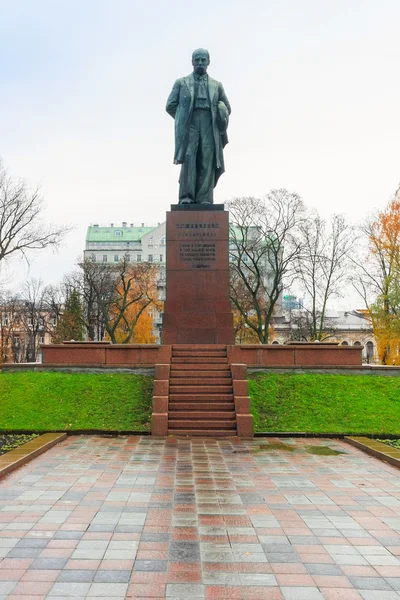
(296, 355)
(105, 354)
(290, 355)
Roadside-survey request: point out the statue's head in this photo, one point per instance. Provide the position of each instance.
(200, 61)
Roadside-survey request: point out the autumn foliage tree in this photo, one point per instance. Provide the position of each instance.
(377, 279)
(124, 294)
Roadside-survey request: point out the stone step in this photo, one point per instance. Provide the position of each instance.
(196, 424)
(199, 353)
(174, 415)
(200, 367)
(201, 398)
(203, 374)
(203, 432)
(200, 389)
(196, 406)
(198, 359)
(217, 381)
(199, 347)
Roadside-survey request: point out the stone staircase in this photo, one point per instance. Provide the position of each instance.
(201, 398)
(200, 393)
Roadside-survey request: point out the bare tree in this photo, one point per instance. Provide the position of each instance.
(264, 246)
(322, 267)
(21, 226)
(121, 293)
(33, 315)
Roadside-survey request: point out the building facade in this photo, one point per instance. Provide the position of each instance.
(349, 328)
(108, 244)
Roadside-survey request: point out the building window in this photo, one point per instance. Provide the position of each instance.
(116, 258)
(150, 258)
(5, 320)
(345, 343)
(139, 258)
(161, 257)
(118, 232)
(357, 344)
(162, 241)
(93, 258)
(41, 339)
(104, 257)
(127, 257)
(275, 342)
(150, 241)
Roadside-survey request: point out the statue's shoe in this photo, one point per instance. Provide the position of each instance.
(186, 201)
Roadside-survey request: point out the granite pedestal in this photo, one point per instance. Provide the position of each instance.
(197, 309)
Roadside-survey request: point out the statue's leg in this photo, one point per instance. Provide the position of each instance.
(187, 179)
(205, 160)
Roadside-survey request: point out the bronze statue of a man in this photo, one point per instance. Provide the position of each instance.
(201, 111)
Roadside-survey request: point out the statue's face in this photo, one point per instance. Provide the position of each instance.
(200, 62)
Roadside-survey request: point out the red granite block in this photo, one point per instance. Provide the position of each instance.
(122, 355)
(162, 371)
(245, 427)
(238, 371)
(240, 387)
(242, 404)
(161, 387)
(160, 404)
(159, 424)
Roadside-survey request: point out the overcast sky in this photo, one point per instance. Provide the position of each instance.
(314, 87)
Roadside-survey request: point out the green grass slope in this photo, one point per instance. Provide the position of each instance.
(324, 403)
(65, 401)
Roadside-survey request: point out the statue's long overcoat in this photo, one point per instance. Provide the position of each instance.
(180, 106)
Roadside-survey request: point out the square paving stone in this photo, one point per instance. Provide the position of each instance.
(185, 590)
(378, 595)
(370, 583)
(322, 569)
(112, 576)
(77, 576)
(24, 552)
(69, 589)
(301, 593)
(107, 590)
(151, 565)
(49, 563)
(32, 543)
(68, 535)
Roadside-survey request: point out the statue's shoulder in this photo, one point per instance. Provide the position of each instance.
(214, 82)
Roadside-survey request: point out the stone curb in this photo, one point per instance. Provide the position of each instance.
(376, 449)
(23, 454)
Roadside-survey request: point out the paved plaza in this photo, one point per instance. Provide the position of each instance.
(142, 517)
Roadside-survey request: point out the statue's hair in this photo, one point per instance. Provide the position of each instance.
(201, 50)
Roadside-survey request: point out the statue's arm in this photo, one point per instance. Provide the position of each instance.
(223, 97)
(173, 99)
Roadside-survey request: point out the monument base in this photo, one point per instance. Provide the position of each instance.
(197, 309)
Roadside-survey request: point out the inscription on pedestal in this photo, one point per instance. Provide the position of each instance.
(200, 255)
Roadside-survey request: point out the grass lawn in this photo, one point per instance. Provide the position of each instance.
(62, 401)
(323, 403)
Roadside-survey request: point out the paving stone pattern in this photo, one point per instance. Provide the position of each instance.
(185, 519)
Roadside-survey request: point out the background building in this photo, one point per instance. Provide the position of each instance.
(137, 243)
(349, 328)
